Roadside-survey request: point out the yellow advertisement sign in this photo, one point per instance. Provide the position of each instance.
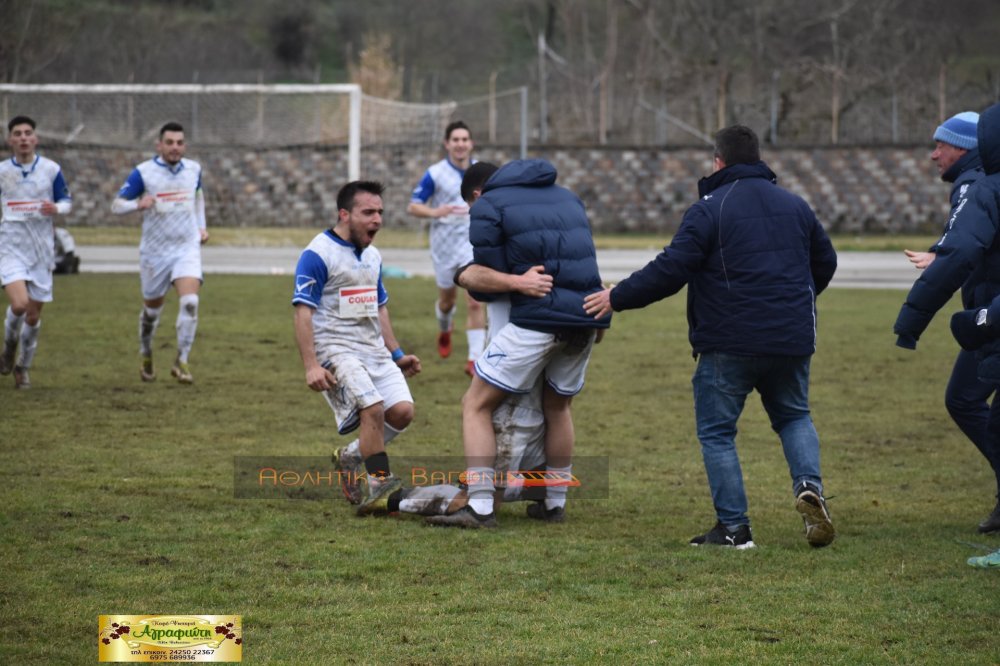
(170, 638)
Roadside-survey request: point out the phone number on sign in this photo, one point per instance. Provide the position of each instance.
(177, 655)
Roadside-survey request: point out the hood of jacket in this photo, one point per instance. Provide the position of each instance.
(970, 160)
(989, 139)
(523, 173)
(732, 173)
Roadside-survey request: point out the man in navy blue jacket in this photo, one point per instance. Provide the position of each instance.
(956, 155)
(523, 220)
(754, 258)
(968, 256)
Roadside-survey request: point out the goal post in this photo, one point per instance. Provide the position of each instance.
(261, 115)
(274, 155)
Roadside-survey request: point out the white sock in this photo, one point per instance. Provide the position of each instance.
(555, 496)
(187, 324)
(12, 329)
(352, 452)
(29, 343)
(149, 319)
(444, 318)
(389, 433)
(477, 339)
(481, 489)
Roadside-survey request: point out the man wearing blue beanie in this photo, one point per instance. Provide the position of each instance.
(968, 254)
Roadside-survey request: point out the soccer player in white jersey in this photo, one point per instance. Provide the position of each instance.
(32, 190)
(167, 189)
(438, 197)
(347, 345)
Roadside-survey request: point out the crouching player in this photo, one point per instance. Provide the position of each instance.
(347, 345)
(520, 431)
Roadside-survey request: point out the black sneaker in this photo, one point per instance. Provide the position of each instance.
(720, 535)
(538, 511)
(464, 517)
(815, 516)
(992, 522)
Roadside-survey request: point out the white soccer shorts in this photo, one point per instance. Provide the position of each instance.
(362, 383)
(450, 250)
(517, 356)
(38, 278)
(158, 273)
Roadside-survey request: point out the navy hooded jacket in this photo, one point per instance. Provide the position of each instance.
(524, 219)
(962, 174)
(970, 244)
(754, 258)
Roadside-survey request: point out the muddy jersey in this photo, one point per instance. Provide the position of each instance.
(343, 285)
(24, 232)
(171, 226)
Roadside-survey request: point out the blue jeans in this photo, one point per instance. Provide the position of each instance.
(966, 399)
(721, 384)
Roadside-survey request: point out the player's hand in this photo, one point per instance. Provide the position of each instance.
(409, 364)
(203, 234)
(920, 260)
(48, 208)
(319, 378)
(146, 202)
(598, 304)
(534, 282)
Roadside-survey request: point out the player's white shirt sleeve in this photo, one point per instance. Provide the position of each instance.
(170, 227)
(344, 288)
(25, 233)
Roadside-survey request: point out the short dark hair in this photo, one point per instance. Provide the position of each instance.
(20, 120)
(458, 124)
(475, 177)
(345, 197)
(737, 145)
(171, 127)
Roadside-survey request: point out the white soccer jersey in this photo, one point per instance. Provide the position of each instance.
(442, 186)
(171, 226)
(344, 287)
(24, 232)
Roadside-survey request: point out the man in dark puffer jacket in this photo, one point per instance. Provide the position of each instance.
(754, 258)
(521, 220)
(956, 155)
(970, 246)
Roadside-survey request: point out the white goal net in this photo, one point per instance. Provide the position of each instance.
(273, 155)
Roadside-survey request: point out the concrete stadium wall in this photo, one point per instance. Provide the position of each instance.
(853, 190)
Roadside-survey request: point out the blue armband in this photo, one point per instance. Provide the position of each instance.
(398, 354)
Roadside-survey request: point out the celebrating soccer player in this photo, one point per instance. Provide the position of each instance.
(438, 197)
(32, 190)
(348, 348)
(167, 189)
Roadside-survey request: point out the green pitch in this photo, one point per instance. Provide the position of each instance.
(118, 498)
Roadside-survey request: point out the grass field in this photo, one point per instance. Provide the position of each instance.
(410, 238)
(118, 498)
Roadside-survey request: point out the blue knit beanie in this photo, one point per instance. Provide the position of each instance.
(959, 130)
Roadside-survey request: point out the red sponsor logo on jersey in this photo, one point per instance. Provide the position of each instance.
(363, 296)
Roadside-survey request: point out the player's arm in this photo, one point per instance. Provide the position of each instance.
(318, 378)
(408, 363)
(534, 282)
(199, 211)
(422, 194)
(131, 197)
(310, 278)
(62, 202)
